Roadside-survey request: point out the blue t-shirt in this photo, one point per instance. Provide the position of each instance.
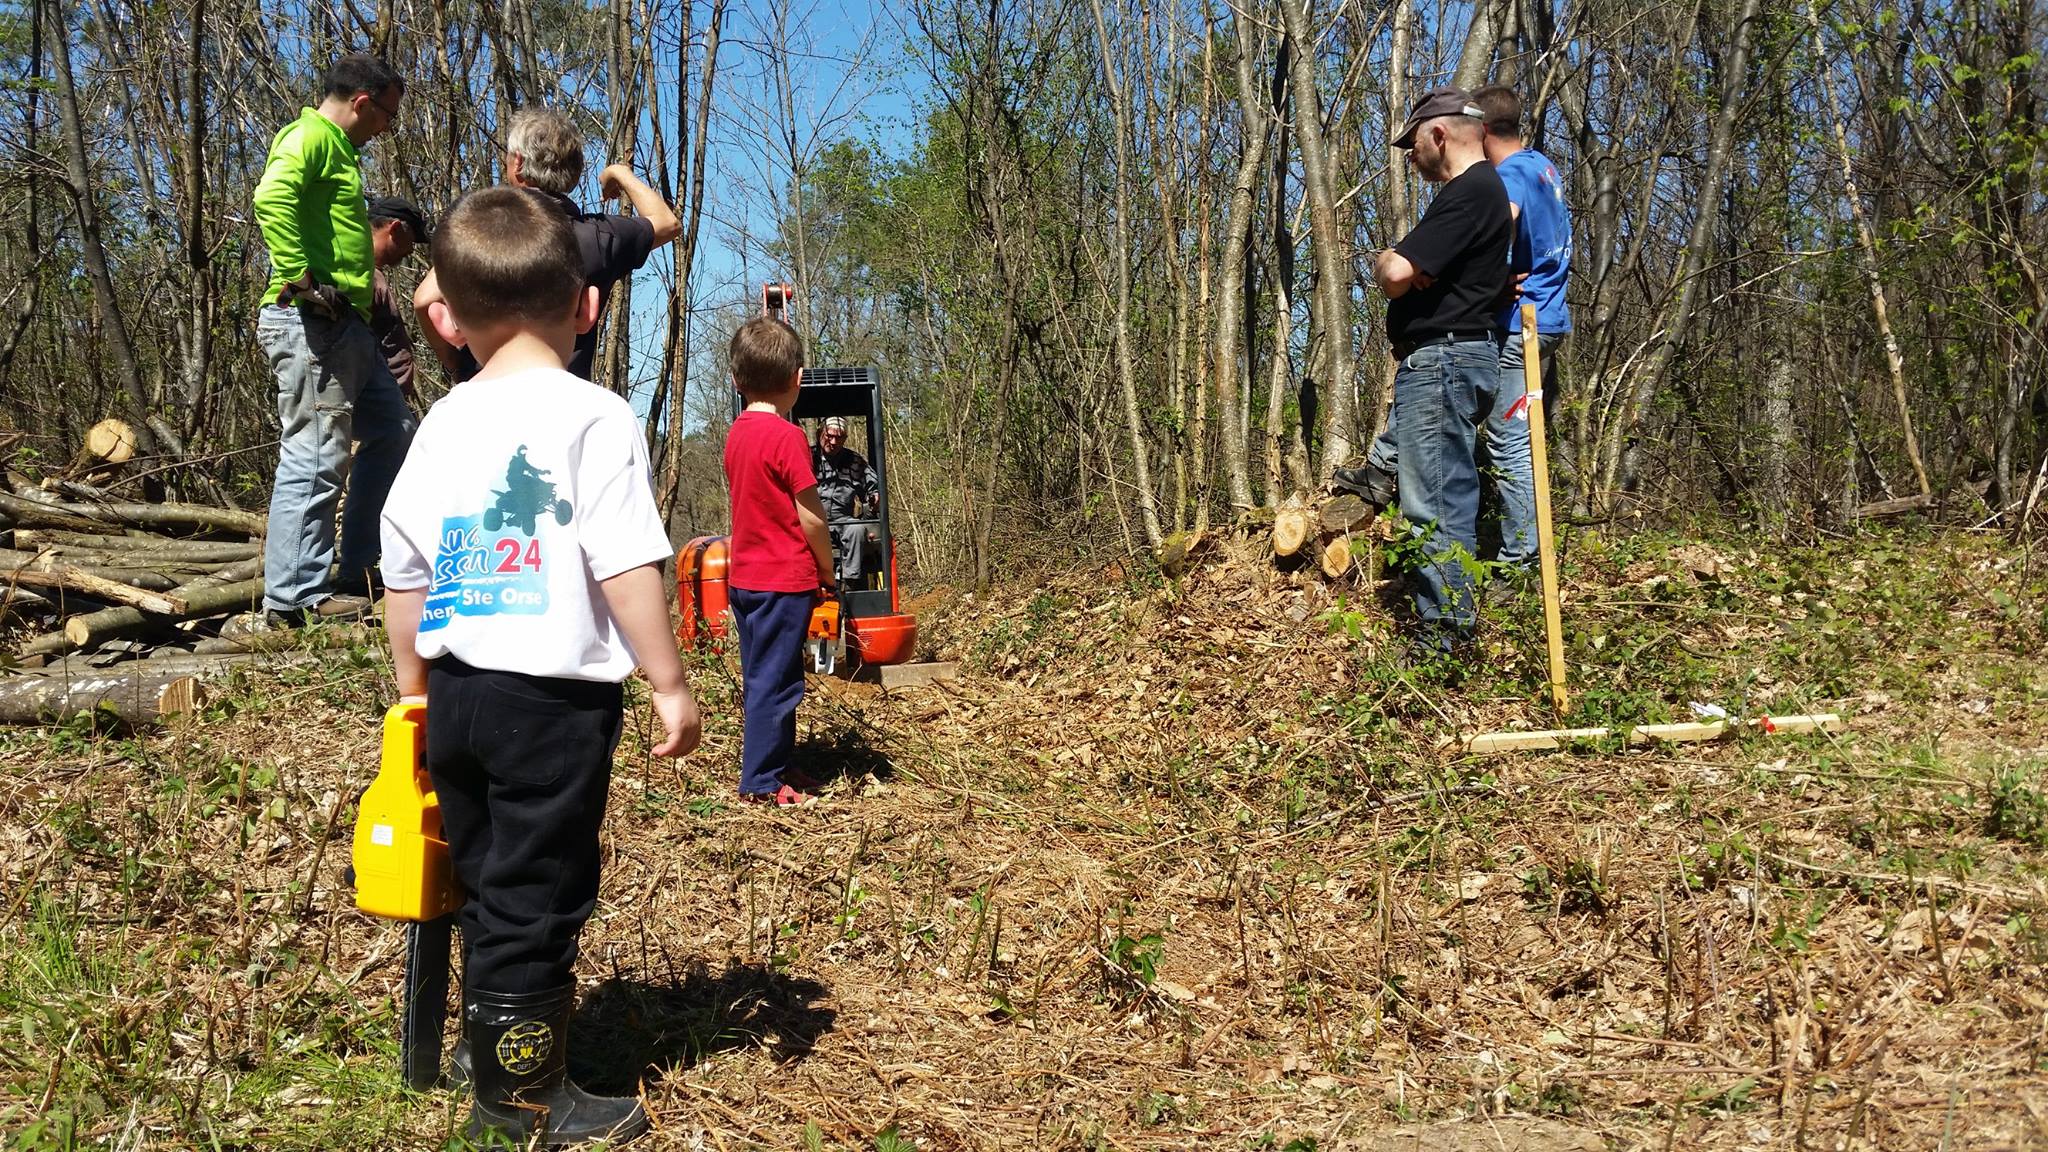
(1543, 240)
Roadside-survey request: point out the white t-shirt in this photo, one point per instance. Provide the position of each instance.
(519, 495)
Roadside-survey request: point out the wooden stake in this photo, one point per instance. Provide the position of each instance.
(1539, 461)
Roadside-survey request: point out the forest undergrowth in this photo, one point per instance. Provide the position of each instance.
(1183, 862)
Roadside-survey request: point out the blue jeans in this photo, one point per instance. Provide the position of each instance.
(772, 626)
(1441, 394)
(333, 386)
(1505, 450)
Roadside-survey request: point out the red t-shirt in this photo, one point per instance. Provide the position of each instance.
(767, 462)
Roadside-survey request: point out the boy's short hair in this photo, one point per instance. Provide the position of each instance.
(359, 73)
(765, 353)
(550, 148)
(1501, 110)
(505, 254)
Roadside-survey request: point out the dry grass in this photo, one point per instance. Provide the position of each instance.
(1173, 866)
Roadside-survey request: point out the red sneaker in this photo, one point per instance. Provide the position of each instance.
(786, 796)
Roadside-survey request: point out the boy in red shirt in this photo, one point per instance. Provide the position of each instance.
(780, 555)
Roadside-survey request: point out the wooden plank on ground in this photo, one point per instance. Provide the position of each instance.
(1651, 733)
(1715, 729)
(1531, 741)
(910, 675)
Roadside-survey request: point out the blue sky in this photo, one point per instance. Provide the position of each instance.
(851, 79)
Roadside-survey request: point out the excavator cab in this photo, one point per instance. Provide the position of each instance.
(866, 624)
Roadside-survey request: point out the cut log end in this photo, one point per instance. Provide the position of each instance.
(181, 697)
(1336, 557)
(1291, 529)
(1346, 513)
(112, 441)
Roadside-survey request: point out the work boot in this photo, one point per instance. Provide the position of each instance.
(339, 607)
(459, 1073)
(1371, 484)
(518, 1046)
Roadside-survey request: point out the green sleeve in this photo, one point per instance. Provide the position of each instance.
(278, 197)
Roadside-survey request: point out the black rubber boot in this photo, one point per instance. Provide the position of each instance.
(459, 1074)
(518, 1048)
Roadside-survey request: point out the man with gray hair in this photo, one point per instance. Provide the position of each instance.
(847, 488)
(544, 153)
(1443, 281)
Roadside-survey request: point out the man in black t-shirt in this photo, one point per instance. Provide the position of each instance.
(544, 152)
(1444, 281)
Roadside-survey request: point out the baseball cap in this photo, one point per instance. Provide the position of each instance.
(1434, 103)
(402, 210)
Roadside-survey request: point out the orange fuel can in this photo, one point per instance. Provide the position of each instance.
(402, 866)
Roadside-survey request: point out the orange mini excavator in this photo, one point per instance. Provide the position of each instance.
(865, 625)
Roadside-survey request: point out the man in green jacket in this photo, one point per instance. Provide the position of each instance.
(333, 385)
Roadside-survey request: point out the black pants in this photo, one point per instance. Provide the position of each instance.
(522, 765)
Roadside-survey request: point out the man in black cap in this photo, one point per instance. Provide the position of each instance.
(396, 228)
(1443, 282)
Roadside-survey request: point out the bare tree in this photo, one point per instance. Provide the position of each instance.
(85, 204)
(1330, 248)
(1676, 317)
(1126, 370)
(1254, 134)
(1866, 246)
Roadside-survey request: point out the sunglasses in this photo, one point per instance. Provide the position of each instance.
(390, 113)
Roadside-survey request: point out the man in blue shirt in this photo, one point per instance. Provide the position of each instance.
(1541, 257)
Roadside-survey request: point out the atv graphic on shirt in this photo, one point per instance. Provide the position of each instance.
(494, 562)
(528, 493)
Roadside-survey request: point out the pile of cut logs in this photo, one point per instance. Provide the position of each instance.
(1324, 530)
(115, 604)
(105, 570)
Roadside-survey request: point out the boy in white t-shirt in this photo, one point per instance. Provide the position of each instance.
(522, 563)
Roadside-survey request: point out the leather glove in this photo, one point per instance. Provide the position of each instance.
(325, 299)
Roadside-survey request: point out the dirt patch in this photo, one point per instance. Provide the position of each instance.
(1173, 865)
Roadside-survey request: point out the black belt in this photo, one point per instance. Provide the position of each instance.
(1407, 348)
